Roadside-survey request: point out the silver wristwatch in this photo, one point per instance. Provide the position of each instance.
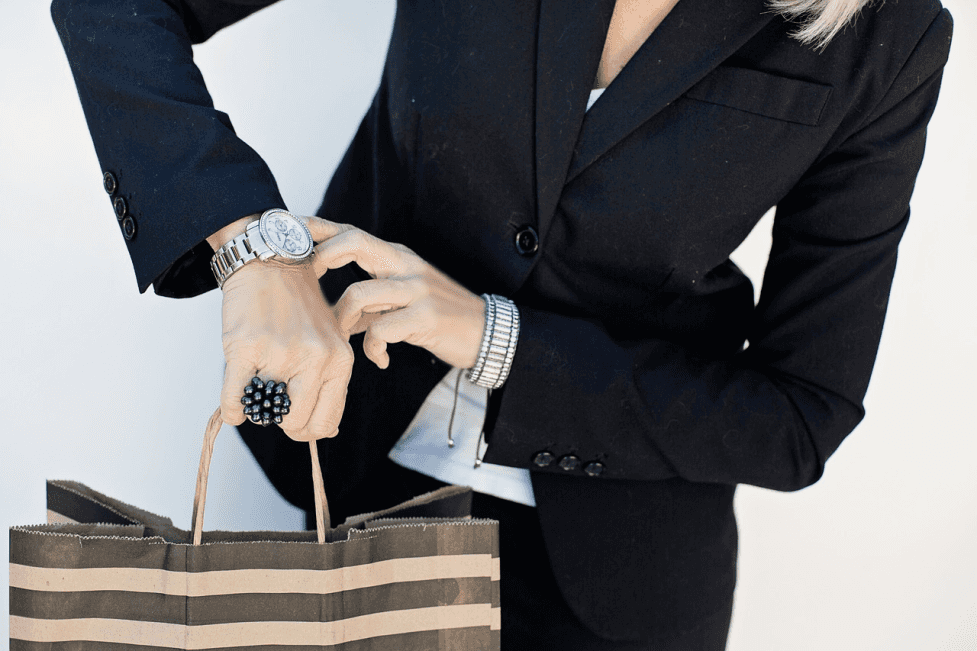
(278, 233)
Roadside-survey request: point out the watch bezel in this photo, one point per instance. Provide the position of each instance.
(263, 229)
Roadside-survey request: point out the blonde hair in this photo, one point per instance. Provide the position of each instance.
(821, 20)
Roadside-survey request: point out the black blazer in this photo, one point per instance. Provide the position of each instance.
(633, 317)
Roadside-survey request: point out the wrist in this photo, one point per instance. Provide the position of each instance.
(471, 334)
(229, 232)
(276, 237)
(260, 274)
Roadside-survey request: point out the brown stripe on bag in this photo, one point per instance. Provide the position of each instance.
(25, 645)
(459, 639)
(125, 546)
(102, 605)
(248, 607)
(402, 541)
(275, 555)
(496, 639)
(251, 633)
(89, 545)
(463, 638)
(200, 584)
(477, 639)
(217, 537)
(364, 546)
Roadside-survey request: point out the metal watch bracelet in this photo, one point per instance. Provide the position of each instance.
(231, 257)
(498, 345)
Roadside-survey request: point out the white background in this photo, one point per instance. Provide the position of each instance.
(113, 388)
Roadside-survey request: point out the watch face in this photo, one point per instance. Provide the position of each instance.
(285, 235)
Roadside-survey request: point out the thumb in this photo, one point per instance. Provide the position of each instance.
(323, 229)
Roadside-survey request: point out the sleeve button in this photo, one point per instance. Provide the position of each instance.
(569, 462)
(119, 205)
(543, 459)
(108, 182)
(594, 469)
(129, 227)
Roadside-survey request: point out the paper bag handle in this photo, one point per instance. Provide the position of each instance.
(200, 494)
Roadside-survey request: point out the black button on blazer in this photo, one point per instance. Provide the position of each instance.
(633, 317)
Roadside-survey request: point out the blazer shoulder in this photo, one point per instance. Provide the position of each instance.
(907, 22)
(895, 46)
(920, 30)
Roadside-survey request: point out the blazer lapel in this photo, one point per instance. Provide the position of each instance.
(569, 44)
(695, 37)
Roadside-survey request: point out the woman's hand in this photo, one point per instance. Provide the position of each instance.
(406, 300)
(277, 325)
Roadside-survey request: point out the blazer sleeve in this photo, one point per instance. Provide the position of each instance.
(769, 415)
(181, 171)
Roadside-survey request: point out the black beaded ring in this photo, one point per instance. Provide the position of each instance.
(265, 402)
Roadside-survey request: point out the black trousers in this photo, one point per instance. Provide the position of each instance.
(534, 614)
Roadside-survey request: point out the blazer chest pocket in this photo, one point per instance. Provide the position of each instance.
(762, 93)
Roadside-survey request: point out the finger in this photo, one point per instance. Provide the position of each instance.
(364, 322)
(306, 384)
(370, 296)
(303, 389)
(322, 229)
(237, 375)
(375, 349)
(328, 411)
(401, 325)
(378, 258)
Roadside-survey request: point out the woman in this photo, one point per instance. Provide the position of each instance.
(632, 407)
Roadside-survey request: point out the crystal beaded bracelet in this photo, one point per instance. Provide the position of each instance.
(498, 343)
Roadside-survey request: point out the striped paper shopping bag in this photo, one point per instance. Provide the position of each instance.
(105, 575)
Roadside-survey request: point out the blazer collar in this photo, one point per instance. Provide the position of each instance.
(695, 37)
